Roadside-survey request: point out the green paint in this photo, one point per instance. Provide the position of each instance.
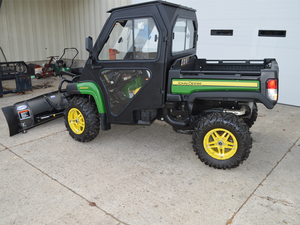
(59, 69)
(188, 86)
(90, 88)
(131, 88)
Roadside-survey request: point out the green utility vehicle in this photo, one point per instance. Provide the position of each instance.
(143, 67)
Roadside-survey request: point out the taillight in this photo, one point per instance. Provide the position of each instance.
(272, 89)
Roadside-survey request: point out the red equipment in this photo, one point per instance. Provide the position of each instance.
(45, 71)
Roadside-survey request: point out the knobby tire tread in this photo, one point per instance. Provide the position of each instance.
(91, 117)
(250, 122)
(228, 121)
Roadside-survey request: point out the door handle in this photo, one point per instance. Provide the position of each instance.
(97, 67)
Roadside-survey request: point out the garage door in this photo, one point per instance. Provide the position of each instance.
(252, 30)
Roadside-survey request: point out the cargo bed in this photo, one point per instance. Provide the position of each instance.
(192, 70)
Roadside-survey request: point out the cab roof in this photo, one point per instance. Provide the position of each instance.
(151, 3)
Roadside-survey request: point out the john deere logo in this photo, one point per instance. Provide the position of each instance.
(84, 87)
(187, 83)
(215, 83)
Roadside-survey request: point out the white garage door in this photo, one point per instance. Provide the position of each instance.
(252, 30)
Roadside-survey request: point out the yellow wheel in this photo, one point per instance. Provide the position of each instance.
(220, 144)
(222, 140)
(76, 121)
(82, 119)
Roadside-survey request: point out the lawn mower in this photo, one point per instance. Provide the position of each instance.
(54, 66)
(46, 70)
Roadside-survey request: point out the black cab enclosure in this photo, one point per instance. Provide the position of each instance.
(132, 56)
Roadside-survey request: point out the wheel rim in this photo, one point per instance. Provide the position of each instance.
(220, 144)
(76, 121)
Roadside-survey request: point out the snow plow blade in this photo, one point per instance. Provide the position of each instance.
(30, 113)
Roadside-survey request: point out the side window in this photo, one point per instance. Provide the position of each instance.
(145, 39)
(119, 42)
(131, 39)
(183, 35)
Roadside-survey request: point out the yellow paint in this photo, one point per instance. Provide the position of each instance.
(76, 121)
(215, 83)
(220, 144)
(136, 90)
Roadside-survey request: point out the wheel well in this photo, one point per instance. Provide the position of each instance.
(205, 106)
(87, 96)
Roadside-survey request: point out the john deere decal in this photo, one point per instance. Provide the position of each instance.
(215, 83)
(188, 86)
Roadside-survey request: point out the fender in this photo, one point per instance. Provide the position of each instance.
(88, 88)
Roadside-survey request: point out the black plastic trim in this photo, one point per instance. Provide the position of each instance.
(174, 98)
(233, 96)
(152, 2)
(72, 89)
(105, 125)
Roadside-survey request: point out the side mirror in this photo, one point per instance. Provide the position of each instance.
(89, 44)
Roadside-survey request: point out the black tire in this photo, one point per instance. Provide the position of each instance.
(250, 121)
(233, 129)
(38, 76)
(80, 110)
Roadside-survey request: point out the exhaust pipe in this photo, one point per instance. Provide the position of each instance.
(175, 123)
(238, 112)
(245, 111)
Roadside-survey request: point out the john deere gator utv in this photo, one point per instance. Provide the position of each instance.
(144, 67)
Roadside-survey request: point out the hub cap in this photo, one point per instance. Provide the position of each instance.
(76, 121)
(220, 144)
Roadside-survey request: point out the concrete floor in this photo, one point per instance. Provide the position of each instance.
(146, 175)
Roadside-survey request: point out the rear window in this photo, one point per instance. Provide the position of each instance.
(183, 35)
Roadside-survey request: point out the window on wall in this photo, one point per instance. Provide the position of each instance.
(131, 39)
(183, 35)
(221, 32)
(272, 33)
